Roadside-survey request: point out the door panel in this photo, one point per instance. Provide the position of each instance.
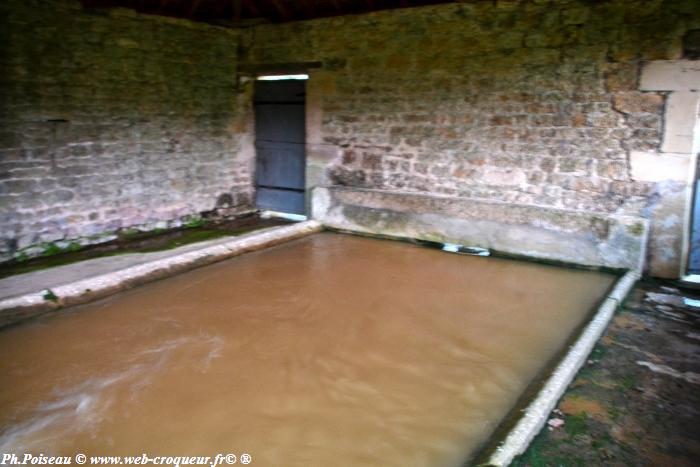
(280, 123)
(694, 258)
(280, 131)
(280, 165)
(276, 199)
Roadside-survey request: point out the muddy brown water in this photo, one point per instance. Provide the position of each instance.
(329, 350)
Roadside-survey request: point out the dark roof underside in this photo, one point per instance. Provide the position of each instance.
(247, 12)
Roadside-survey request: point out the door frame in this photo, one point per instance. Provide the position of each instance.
(281, 77)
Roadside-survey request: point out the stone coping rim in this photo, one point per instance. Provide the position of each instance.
(535, 415)
(93, 288)
(515, 442)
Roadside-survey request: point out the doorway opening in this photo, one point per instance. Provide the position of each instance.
(693, 266)
(280, 143)
(692, 242)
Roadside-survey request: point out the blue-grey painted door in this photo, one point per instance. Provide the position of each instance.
(694, 254)
(280, 133)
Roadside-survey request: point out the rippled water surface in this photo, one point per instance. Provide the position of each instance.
(329, 350)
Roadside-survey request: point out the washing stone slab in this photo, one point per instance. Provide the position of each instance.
(27, 295)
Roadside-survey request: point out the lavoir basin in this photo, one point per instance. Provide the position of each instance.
(331, 349)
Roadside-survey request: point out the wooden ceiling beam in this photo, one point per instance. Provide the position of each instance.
(244, 11)
(194, 7)
(281, 9)
(163, 4)
(309, 8)
(237, 10)
(251, 7)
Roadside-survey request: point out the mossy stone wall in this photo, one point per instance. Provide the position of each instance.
(110, 119)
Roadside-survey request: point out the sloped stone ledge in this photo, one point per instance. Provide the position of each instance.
(589, 239)
(15, 309)
(535, 414)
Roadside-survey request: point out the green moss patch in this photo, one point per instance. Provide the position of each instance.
(135, 241)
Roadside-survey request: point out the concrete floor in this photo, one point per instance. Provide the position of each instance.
(83, 282)
(21, 284)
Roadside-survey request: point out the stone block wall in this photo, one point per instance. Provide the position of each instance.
(110, 119)
(529, 102)
(671, 167)
(577, 237)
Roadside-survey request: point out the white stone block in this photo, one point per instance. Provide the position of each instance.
(696, 134)
(680, 121)
(671, 75)
(657, 167)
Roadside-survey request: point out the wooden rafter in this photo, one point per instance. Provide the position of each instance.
(194, 7)
(309, 7)
(251, 7)
(163, 4)
(255, 11)
(281, 9)
(237, 10)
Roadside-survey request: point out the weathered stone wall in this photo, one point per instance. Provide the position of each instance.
(529, 102)
(565, 235)
(671, 167)
(109, 119)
